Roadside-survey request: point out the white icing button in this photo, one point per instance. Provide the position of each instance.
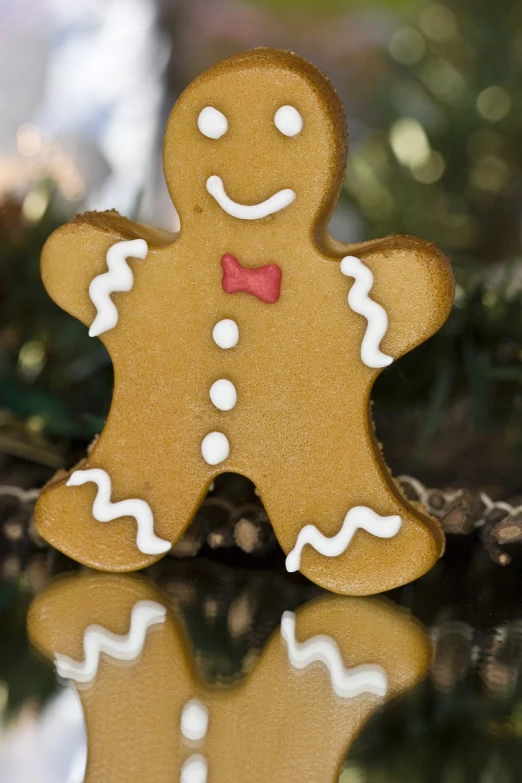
(288, 121)
(194, 720)
(226, 333)
(215, 448)
(212, 123)
(223, 394)
(194, 770)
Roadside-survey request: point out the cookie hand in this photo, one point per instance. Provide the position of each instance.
(85, 262)
(412, 281)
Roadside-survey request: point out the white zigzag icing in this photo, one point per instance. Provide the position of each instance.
(357, 517)
(105, 511)
(97, 640)
(346, 683)
(118, 278)
(376, 315)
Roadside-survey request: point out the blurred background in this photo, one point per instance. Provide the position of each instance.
(432, 91)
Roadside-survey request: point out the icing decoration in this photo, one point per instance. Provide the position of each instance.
(105, 511)
(118, 278)
(194, 720)
(288, 120)
(97, 640)
(223, 394)
(263, 282)
(226, 333)
(275, 203)
(358, 517)
(376, 315)
(346, 683)
(212, 123)
(215, 448)
(194, 770)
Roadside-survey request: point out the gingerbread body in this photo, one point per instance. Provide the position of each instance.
(291, 411)
(150, 716)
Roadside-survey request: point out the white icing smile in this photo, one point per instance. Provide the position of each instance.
(275, 203)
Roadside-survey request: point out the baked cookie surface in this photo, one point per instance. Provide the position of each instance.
(249, 343)
(151, 716)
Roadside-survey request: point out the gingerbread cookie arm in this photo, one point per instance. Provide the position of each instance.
(85, 262)
(410, 279)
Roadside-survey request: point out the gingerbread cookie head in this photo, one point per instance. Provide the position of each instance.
(247, 344)
(258, 139)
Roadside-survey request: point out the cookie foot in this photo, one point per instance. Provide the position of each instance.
(78, 517)
(368, 555)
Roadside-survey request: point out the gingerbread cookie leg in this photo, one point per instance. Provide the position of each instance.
(90, 515)
(114, 639)
(352, 531)
(329, 667)
(115, 535)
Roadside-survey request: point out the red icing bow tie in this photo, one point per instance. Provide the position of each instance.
(263, 282)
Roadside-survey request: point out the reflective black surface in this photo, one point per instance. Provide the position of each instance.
(450, 647)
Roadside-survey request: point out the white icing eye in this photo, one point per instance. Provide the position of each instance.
(212, 123)
(288, 121)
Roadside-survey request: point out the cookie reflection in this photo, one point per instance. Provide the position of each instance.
(151, 715)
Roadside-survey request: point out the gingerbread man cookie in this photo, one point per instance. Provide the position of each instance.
(249, 343)
(150, 715)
